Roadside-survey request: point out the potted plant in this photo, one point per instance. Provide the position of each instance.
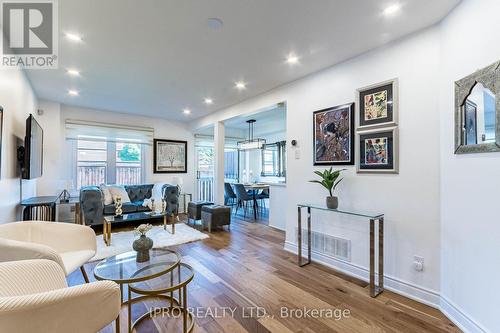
(143, 244)
(329, 180)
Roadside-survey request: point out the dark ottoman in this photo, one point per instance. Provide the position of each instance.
(215, 216)
(194, 209)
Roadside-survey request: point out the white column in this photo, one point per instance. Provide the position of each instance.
(219, 163)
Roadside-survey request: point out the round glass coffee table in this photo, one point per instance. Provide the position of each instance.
(175, 281)
(124, 269)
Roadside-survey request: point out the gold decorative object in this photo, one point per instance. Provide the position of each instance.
(118, 206)
(163, 206)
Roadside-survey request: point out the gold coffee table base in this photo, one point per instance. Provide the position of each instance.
(187, 317)
(185, 275)
(135, 217)
(106, 233)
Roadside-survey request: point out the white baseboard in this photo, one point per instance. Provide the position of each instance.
(459, 318)
(418, 293)
(404, 288)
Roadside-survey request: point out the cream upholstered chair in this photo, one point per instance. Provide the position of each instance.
(34, 297)
(70, 245)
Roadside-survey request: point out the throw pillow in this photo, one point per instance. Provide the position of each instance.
(108, 198)
(118, 190)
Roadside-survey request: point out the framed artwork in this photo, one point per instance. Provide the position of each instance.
(170, 156)
(470, 123)
(378, 104)
(333, 131)
(378, 151)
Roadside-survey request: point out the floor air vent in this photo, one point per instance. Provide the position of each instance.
(327, 244)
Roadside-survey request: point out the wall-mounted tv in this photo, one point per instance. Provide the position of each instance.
(32, 161)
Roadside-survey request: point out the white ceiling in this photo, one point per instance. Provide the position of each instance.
(270, 120)
(157, 57)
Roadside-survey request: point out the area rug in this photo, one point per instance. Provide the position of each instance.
(121, 242)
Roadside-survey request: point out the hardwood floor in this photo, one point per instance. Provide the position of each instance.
(247, 269)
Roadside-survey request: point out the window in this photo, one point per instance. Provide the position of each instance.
(231, 166)
(107, 153)
(274, 160)
(100, 162)
(128, 163)
(92, 163)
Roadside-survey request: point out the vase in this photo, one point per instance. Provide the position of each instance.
(142, 245)
(118, 206)
(332, 202)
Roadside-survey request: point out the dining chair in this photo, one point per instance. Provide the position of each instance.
(243, 198)
(230, 198)
(262, 196)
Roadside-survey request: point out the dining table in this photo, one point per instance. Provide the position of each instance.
(254, 188)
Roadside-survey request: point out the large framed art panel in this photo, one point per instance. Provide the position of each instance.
(170, 156)
(333, 135)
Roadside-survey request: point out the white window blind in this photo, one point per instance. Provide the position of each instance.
(107, 153)
(93, 131)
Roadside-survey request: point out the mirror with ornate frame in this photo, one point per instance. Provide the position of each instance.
(477, 111)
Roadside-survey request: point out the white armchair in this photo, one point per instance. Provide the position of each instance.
(34, 297)
(70, 245)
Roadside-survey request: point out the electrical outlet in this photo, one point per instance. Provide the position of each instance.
(297, 154)
(418, 263)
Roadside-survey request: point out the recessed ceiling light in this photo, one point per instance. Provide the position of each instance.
(186, 111)
(240, 85)
(392, 9)
(208, 101)
(73, 37)
(292, 59)
(73, 72)
(72, 92)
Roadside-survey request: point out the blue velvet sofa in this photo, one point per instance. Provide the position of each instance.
(93, 209)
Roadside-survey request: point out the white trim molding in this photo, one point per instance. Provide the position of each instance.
(418, 293)
(459, 317)
(404, 288)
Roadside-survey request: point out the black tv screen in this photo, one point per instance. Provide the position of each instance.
(33, 149)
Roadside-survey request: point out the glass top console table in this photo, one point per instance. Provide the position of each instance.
(375, 290)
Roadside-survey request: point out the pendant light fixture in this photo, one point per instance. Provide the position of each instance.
(251, 143)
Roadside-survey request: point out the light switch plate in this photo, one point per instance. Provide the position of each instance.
(297, 154)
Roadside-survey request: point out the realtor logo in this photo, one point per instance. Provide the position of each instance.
(29, 34)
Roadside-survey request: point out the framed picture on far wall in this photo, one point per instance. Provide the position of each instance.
(378, 151)
(378, 104)
(333, 131)
(170, 156)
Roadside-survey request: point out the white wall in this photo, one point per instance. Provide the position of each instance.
(18, 101)
(470, 184)
(59, 160)
(441, 206)
(410, 200)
